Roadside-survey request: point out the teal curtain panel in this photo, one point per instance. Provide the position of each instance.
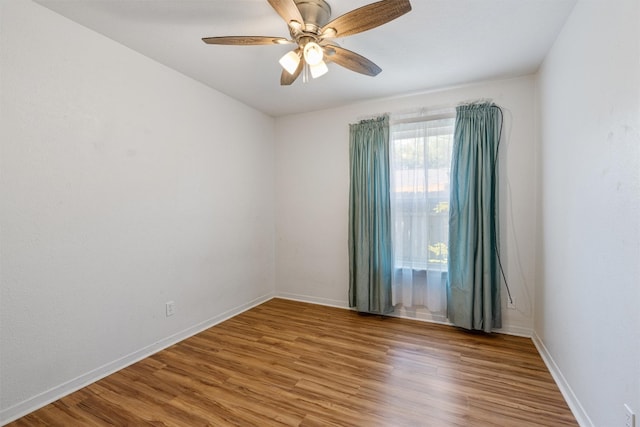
(473, 290)
(370, 250)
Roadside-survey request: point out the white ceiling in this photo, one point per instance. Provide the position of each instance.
(439, 43)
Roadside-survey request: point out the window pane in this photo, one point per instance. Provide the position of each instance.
(420, 165)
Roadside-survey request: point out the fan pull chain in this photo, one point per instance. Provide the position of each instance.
(306, 77)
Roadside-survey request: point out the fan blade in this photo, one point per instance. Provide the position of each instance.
(287, 79)
(245, 40)
(366, 18)
(288, 10)
(351, 60)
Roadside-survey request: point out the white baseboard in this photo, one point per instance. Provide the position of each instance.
(345, 305)
(23, 408)
(313, 300)
(507, 330)
(574, 404)
(517, 331)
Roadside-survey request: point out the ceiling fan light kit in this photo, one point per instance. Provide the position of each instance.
(313, 53)
(290, 61)
(312, 32)
(319, 69)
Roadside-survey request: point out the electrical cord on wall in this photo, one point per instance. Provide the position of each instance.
(493, 179)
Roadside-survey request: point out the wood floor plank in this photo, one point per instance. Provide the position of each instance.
(286, 363)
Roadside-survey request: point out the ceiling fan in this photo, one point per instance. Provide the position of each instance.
(313, 33)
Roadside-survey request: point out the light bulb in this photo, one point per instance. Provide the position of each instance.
(318, 69)
(290, 61)
(313, 53)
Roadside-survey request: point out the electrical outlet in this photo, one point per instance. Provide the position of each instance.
(511, 304)
(171, 308)
(629, 417)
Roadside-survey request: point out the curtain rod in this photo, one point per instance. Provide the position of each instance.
(447, 112)
(418, 119)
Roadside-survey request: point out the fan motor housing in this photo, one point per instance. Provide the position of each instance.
(316, 13)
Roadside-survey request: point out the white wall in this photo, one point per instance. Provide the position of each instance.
(587, 318)
(124, 185)
(312, 182)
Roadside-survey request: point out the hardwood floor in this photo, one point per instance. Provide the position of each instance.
(296, 364)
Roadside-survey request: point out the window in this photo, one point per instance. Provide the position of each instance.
(420, 170)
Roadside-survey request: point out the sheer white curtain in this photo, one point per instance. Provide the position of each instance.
(420, 160)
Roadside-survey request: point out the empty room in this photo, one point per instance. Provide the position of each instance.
(320, 212)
